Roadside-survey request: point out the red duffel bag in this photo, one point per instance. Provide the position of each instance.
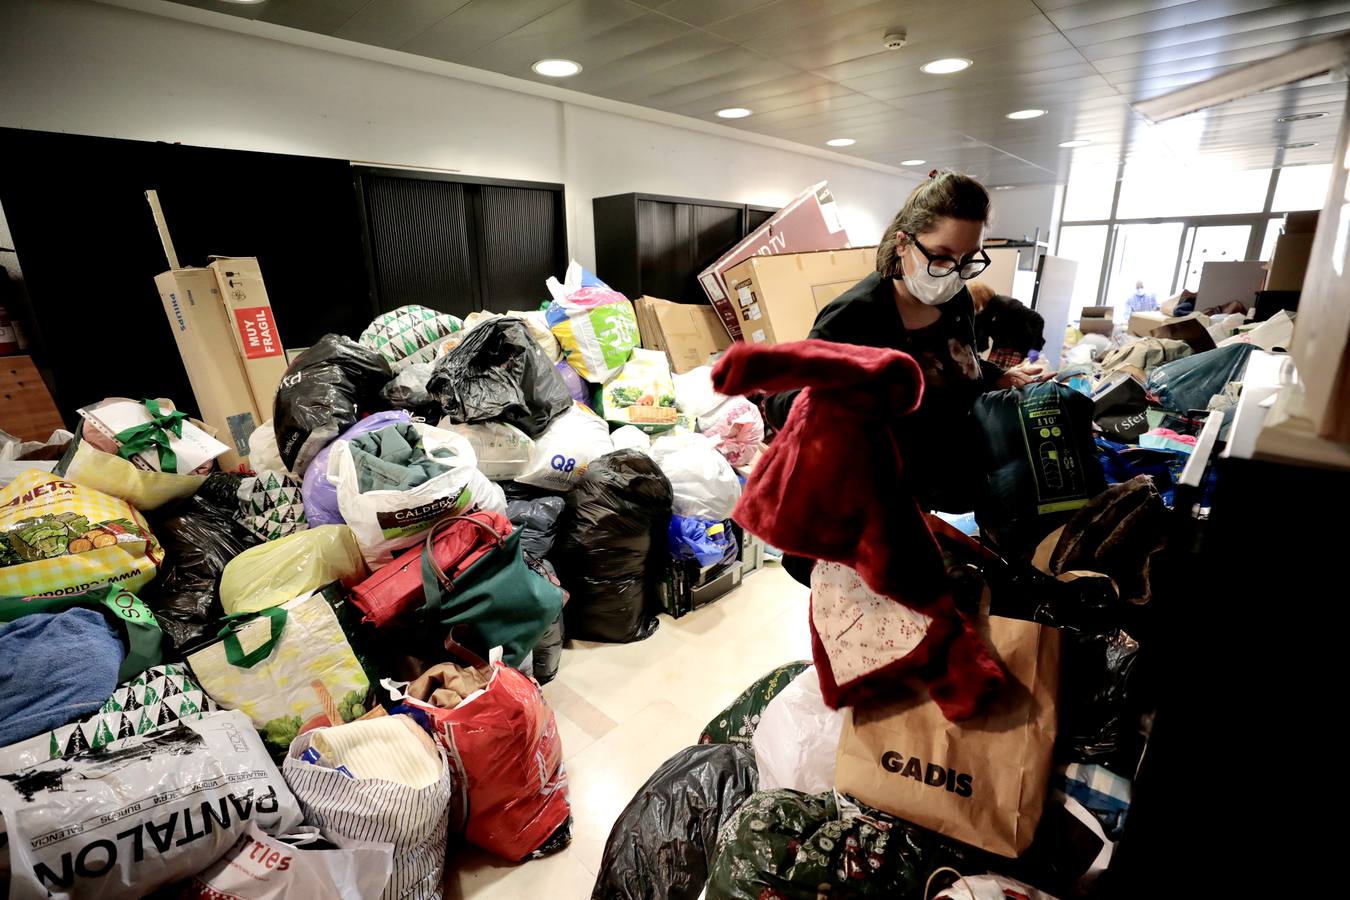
(395, 589)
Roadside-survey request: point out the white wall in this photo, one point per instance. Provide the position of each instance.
(1022, 210)
(90, 68)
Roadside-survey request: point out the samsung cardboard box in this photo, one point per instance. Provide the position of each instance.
(775, 299)
(252, 327)
(809, 222)
(197, 317)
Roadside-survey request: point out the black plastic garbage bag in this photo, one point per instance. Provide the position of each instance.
(547, 654)
(1040, 459)
(322, 394)
(662, 842)
(612, 551)
(199, 538)
(1103, 693)
(499, 374)
(408, 390)
(537, 521)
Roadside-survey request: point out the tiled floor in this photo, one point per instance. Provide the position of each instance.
(623, 709)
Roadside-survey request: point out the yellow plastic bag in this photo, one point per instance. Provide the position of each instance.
(60, 537)
(272, 573)
(117, 477)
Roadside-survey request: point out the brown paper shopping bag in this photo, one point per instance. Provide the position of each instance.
(982, 780)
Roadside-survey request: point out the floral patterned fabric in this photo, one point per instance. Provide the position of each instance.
(786, 845)
(736, 724)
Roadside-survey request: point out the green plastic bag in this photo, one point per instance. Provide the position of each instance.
(139, 628)
(736, 724)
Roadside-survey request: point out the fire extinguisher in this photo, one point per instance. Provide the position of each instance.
(9, 338)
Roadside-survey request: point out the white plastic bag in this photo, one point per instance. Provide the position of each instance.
(562, 453)
(990, 887)
(704, 483)
(262, 867)
(737, 427)
(694, 394)
(145, 812)
(262, 449)
(797, 738)
(630, 437)
(503, 450)
(385, 522)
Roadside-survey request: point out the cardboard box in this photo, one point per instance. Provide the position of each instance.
(1289, 262)
(809, 222)
(777, 297)
(197, 317)
(253, 329)
(1193, 330)
(1304, 222)
(1223, 282)
(1143, 323)
(688, 333)
(1097, 320)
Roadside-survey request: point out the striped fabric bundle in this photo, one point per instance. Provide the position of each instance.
(415, 821)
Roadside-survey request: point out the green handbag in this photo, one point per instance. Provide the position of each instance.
(138, 625)
(495, 600)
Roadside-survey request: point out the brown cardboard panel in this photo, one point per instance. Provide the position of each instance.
(1289, 262)
(777, 298)
(689, 333)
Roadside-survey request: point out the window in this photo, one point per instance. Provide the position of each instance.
(1089, 193)
(1142, 253)
(1273, 227)
(1219, 243)
(1301, 187)
(1151, 190)
(1085, 244)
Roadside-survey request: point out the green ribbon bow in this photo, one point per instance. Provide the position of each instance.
(154, 433)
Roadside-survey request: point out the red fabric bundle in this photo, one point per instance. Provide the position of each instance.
(831, 487)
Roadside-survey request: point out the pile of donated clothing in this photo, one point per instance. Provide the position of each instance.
(320, 673)
(978, 736)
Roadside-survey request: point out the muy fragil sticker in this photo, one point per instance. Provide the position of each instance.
(257, 332)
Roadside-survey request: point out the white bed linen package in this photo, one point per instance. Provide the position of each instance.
(144, 812)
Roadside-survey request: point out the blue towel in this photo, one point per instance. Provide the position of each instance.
(58, 667)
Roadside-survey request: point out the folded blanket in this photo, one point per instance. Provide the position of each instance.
(59, 667)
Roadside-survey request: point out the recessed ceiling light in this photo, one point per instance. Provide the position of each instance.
(946, 66)
(841, 142)
(1004, 187)
(1081, 142)
(1026, 114)
(246, 1)
(1301, 145)
(556, 68)
(734, 112)
(913, 162)
(1300, 117)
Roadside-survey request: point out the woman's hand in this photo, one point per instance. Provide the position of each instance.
(1023, 375)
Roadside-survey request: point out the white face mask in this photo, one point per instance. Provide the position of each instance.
(929, 289)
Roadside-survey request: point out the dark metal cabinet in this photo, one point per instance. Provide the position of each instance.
(459, 244)
(656, 245)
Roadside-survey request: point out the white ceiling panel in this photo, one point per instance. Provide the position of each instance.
(817, 69)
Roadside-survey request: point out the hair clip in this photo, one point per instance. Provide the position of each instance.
(933, 174)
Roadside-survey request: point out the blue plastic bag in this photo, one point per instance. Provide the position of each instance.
(705, 540)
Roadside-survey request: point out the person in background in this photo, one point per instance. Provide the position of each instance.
(1141, 300)
(1004, 326)
(916, 301)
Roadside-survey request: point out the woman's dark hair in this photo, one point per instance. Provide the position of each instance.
(943, 193)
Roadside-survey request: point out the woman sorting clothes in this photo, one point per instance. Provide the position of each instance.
(917, 302)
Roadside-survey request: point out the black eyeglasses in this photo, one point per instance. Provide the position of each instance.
(942, 266)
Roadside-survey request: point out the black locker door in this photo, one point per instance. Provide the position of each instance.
(519, 252)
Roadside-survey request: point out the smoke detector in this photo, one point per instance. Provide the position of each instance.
(895, 40)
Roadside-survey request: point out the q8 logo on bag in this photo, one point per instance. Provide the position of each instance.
(563, 464)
